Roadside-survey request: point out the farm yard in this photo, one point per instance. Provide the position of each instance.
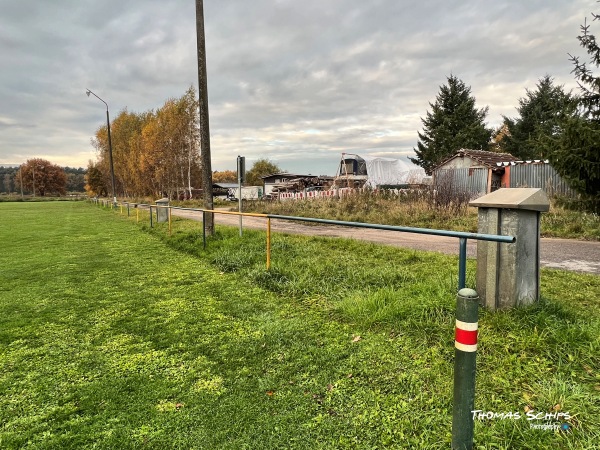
(117, 335)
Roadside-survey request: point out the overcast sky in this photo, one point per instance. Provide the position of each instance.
(297, 82)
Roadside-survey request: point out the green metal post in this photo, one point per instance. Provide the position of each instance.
(463, 423)
(462, 263)
(150, 216)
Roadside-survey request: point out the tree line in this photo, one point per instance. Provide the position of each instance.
(260, 168)
(155, 153)
(551, 123)
(11, 178)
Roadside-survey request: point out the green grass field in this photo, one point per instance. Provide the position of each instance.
(114, 335)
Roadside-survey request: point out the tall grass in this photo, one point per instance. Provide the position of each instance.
(421, 210)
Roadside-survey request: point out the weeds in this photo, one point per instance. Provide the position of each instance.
(424, 209)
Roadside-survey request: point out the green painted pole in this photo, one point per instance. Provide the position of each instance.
(150, 216)
(462, 263)
(465, 352)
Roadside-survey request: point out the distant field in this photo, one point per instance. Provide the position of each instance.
(113, 335)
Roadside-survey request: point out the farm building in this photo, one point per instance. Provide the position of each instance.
(357, 171)
(475, 171)
(536, 174)
(480, 172)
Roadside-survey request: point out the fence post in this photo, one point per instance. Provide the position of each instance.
(169, 213)
(150, 216)
(465, 352)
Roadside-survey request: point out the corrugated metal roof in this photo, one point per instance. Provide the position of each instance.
(225, 185)
(485, 158)
(287, 175)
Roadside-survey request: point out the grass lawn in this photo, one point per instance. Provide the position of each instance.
(114, 335)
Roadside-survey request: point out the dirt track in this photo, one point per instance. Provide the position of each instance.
(567, 254)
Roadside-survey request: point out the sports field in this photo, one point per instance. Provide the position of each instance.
(115, 336)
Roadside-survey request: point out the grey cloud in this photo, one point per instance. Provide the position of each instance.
(359, 74)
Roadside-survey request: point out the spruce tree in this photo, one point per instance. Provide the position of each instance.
(453, 123)
(587, 81)
(541, 114)
(576, 154)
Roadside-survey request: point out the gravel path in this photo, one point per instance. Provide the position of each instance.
(566, 254)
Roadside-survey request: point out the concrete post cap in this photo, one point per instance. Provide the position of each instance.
(468, 293)
(533, 199)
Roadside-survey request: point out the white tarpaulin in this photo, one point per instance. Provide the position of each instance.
(390, 172)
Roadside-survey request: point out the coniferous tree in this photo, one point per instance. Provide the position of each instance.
(576, 157)
(576, 154)
(453, 123)
(587, 81)
(541, 115)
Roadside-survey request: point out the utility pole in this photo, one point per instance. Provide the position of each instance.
(204, 127)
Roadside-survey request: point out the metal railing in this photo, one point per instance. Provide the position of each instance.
(462, 237)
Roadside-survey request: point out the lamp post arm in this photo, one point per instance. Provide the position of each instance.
(88, 92)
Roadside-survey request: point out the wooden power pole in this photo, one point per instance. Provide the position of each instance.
(204, 127)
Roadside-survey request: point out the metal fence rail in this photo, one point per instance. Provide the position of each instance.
(462, 237)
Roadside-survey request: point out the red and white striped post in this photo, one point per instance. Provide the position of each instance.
(465, 343)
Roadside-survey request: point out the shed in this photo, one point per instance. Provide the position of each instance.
(536, 174)
(475, 171)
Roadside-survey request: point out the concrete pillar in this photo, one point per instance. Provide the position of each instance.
(508, 275)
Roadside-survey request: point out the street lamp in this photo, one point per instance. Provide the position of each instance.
(110, 157)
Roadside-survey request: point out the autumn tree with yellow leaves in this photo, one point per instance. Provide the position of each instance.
(155, 153)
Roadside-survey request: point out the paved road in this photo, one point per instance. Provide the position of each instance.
(567, 254)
